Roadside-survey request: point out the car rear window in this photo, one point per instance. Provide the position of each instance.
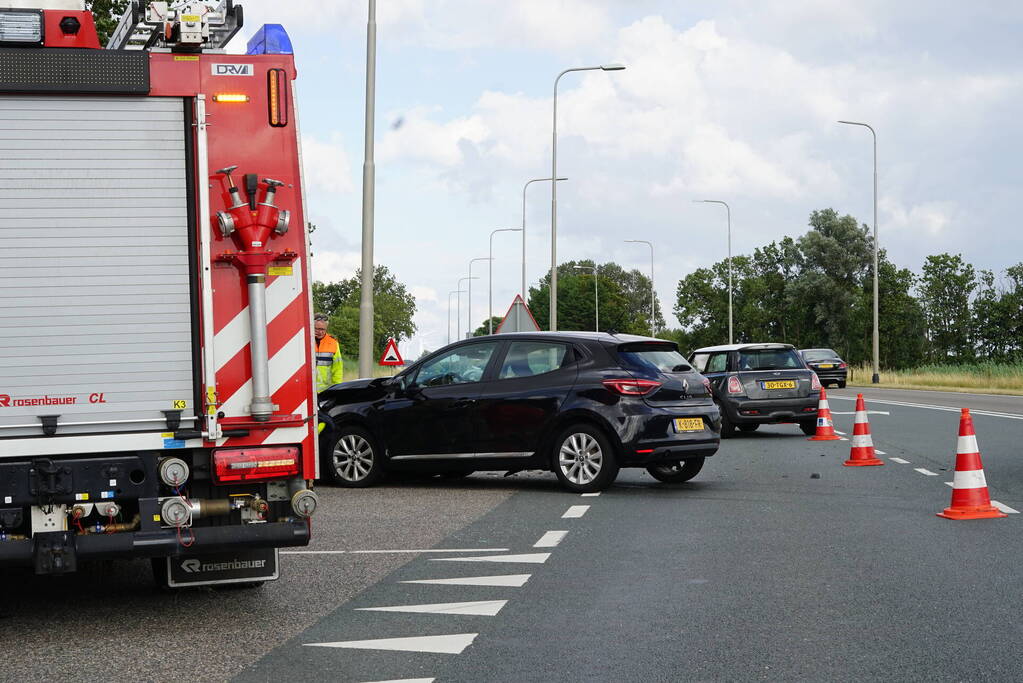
(768, 359)
(819, 354)
(659, 358)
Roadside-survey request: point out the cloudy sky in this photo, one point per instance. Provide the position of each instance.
(733, 100)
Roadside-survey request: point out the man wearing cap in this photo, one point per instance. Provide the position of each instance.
(329, 366)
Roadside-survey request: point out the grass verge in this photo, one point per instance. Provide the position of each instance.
(351, 369)
(986, 378)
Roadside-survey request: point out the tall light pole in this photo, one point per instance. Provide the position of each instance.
(728, 209)
(652, 295)
(368, 180)
(468, 330)
(554, 189)
(596, 297)
(524, 188)
(458, 315)
(459, 292)
(877, 337)
(490, 269)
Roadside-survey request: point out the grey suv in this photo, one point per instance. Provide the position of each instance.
(757, 384)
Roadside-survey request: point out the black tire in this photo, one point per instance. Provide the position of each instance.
(749, 428)
(353, 459)
(809, 428)
(678, 472)
(583, 459)
(841, 385)
(727, 426)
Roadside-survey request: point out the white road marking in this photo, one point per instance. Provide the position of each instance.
(550, 539)
(921, 470)
(478, 608)
(1005, 508)
(575, 511)
(950, 484)
(385, 552)
(531, 558)
(948, 409)
(869, 412)
(898, 460)
(843, 439)
(407, 680)
(452, 644)
(591, 495)
(840, 433)
(880, 452)
(507, 580)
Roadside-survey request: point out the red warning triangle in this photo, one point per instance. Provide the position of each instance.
(391, 355)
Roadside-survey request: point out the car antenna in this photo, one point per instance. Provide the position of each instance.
(613, 329)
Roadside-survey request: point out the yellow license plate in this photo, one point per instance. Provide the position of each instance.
(826, 366)
(781, 384)
(688, 424)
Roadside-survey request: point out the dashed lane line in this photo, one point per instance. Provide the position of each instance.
(397, 552)
(879, 452)
(869, 412)
(502, 580)
(476, 608)
(407, 680)
(925, 471)
(449, 644)
(898, 460)
(948, 409)
(529, 558)
(575, 511)
(550, 539)
(591, 495)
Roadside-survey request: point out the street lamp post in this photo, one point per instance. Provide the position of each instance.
(596, 297)
(458, 315)
(468, 329)
(554, 189)
(728, 209)
(524, 188)
(490, 269)
(877, 337)
(368, 192)
(652, 318)
(459, 292)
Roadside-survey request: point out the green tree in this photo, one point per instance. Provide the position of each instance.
(484, 329)
(106, 13)
(393, 309)
(945, 289)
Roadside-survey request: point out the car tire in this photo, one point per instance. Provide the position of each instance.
(678, 472)
(353, 460)
(841, 385)
(809, 428)
(749, 428)
(583, 459)
(727, 426)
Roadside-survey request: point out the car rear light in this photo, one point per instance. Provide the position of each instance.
(706, 384)
(809, 410)
(644, 451)
(842, 366)
(232, 465)
(735, 386)
(750, 412)
(632, 387)
(815, 382)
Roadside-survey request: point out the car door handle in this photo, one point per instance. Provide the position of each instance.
(463, 403)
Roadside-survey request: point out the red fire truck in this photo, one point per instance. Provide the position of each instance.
(156, 359)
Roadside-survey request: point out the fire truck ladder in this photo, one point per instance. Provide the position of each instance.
(146, 25)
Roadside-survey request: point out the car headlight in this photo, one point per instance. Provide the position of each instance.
(21, 27)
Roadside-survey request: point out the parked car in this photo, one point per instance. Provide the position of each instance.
(828, 365)
(757, 384)
(581, 404)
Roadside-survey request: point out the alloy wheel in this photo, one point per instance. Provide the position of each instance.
(580, 458)
(353, 458)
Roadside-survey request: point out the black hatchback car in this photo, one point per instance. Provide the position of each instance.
(757, 384)
(828, 365)
(580, 404)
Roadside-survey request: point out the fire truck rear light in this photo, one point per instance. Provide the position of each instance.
(24, 27)
(277, 97)
(229, 97)
(254, 464)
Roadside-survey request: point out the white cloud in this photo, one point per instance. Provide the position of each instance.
(921, 221)
(331, 266)
(326, 165)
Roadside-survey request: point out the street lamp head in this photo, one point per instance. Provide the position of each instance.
(612, 67)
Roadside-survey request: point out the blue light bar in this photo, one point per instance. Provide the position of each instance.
(270, 39)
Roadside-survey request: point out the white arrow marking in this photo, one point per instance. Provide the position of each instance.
(479, 608)
(531, 558)
(510, 580)
(452, 644)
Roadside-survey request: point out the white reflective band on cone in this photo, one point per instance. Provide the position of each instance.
(862, 441)
(970, 479)
(861, 418)
(967, 444)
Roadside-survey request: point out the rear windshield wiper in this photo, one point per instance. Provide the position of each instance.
(680, 368)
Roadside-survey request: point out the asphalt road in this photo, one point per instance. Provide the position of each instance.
(775, 563)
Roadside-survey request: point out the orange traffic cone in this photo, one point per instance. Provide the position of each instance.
(862, 452)
(970, 499)
(825, 426)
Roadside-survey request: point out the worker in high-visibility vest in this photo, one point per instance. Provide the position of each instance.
(329, 366)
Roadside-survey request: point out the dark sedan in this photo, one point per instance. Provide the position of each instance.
(757, 384)
(828, 365)
(580, 404)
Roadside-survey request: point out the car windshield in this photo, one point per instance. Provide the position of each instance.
(819, 354)
(768, 359)
(656, 358)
